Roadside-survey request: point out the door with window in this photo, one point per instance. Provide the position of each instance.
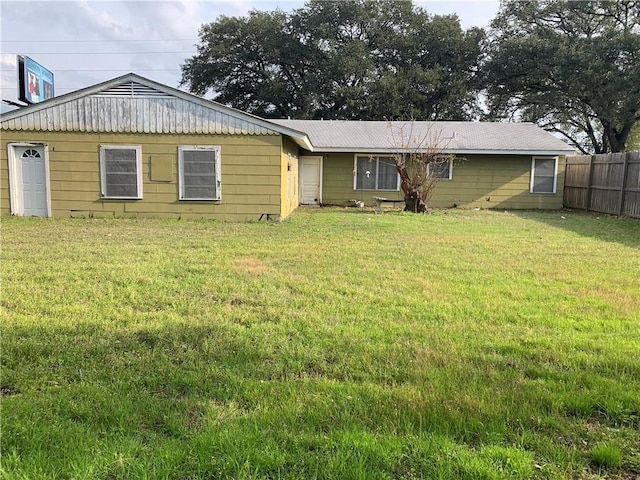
(30, 181)
(310, 180)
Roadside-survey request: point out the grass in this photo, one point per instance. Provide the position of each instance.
(337, 344)
(606, 455)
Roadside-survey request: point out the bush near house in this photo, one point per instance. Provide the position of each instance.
(337, 344)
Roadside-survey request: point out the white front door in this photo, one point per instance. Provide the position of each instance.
(310, 180)
(29, 196)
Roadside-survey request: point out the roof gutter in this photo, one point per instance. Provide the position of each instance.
(300, 138)
(303, 142)
(453, 151)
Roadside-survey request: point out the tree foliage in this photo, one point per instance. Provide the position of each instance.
(633, 143)
(571, 66)
(357, 59)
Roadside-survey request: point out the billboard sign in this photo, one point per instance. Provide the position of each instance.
(35, 81)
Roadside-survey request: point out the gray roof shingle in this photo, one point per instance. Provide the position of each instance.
(450, 137)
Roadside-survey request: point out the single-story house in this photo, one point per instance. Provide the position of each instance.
(133, 147)
(495, 165)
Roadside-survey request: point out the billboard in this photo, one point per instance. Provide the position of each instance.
(35, 81)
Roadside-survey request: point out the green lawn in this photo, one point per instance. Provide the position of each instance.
(338, 344)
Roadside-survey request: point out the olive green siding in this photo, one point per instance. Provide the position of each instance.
(337, 180)
(5, 208)
(289, 175)
(487, 181)
(495, 181)
(251, 168)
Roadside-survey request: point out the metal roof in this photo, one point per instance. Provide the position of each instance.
(449, 137)
(134, 104)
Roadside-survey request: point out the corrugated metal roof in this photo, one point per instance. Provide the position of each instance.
(101, 114)
(453, 137)
(134, 104)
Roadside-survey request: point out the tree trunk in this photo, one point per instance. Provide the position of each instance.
(617, 140)
(413, 202)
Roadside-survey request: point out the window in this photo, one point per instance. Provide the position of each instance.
(31, 153)
(544, 175)
(440, 169)
(199, 172)
(375, 173)
(121, 171)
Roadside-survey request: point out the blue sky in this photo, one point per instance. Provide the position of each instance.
(87, 41)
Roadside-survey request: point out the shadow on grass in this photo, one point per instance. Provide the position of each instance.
(213, 396)
(607, 228)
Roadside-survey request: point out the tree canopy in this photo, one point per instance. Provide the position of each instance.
(633, 143)
(361, 59)
(571, 66)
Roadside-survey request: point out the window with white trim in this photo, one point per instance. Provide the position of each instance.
(440, 169)
(544, 175)
(121, 171)
(199, 172)
(373, 172)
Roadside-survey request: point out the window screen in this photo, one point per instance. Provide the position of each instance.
(543, 175)
(387, 174)
(366, 172)
(440, 170)
(121, 175)
(199, 173)
(376, 173)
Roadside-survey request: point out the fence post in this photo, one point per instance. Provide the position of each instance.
(567, 174)
(623, 187)
(588, 202)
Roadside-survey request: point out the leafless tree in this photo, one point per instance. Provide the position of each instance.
(421, 159)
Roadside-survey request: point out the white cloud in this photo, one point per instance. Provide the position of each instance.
(77, 39)
(8, 77)
(8, 61)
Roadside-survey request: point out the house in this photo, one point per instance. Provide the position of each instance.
(496, 165)
(134, 147)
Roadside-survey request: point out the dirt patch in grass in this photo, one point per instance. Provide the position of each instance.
(250, 265)
(8, 392)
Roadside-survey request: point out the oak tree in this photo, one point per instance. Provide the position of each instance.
(356, 59)
(571, 66)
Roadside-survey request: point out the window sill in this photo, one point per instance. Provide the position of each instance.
(121, 198)
(201, 200)
(375, 190)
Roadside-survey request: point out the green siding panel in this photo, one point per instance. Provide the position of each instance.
(487, 181)
(251, 175)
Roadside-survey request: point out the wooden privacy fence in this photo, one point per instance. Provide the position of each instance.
(607, 183)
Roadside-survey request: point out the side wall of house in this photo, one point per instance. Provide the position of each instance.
(5, 206)
(250, 175)
(485, 181)
(289, 175)
(337, 182)
(496, 181)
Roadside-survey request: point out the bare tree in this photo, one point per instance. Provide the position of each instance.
(421, 161)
